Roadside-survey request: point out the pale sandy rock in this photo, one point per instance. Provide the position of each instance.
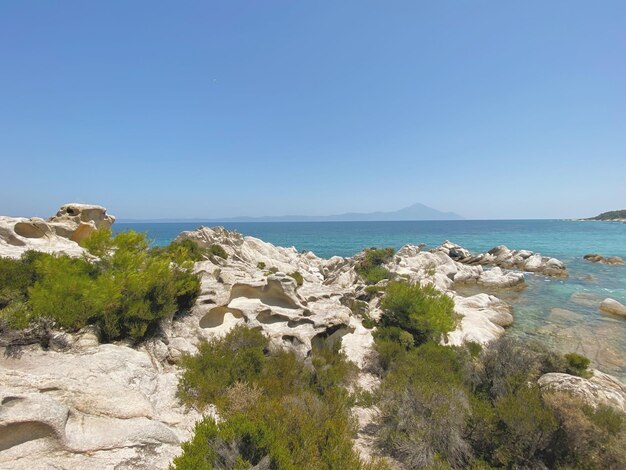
(482, 319)
(503, 257)
(496, 278)
(613, 306)
(77, 221)
(60, 234)
(59, 409)
(601, 388)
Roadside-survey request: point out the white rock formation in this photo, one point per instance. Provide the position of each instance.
(503, 257)
(97, 407)
(60, 234)
(613, 306)
(601, 388)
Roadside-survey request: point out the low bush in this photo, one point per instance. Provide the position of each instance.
(218, 250)
(278, 412)
(474, 407)
(125, 292)
(577, 365)
(370, 267)
(422, 311)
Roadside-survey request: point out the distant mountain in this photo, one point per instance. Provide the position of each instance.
(414, 212)
(611, 215)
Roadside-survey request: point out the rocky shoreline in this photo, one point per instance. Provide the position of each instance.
(80, 403)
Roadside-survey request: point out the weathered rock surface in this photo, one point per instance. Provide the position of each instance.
(503, 257)
(98, 407)
(610, 260)
(600, 389)
(613, 306)
(60, 234)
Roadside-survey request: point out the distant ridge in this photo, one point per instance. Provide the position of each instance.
(414, 212)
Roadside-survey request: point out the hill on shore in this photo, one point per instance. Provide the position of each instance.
(611, 215)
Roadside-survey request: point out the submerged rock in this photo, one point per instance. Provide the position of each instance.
(610, 260)
(613, 306)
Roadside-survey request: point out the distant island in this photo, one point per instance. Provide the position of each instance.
(414, 212)
(619, 216)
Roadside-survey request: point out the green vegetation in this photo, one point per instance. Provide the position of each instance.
(279, 413)
(424, 312)
(298, 277)
(260, 265)
(125, 292)
(469, 407)
(611, 215)
(370, 267)
(577, 365)
(217, 250)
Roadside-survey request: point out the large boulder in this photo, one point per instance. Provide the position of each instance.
(77, 221)
(613, 306)
(600, 389)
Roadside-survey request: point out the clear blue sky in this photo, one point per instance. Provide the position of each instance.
(490, 109)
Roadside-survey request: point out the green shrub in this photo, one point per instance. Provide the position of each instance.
(370, 267)
(260, 265)
(278, 412)
(181, 252)
(16, 276)
(220, 363)
(422, 311)
(577, 365)
(423, 407)
(125, 292)
(218, 250)
(298, 277)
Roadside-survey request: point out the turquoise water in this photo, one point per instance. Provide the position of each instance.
(561, 312)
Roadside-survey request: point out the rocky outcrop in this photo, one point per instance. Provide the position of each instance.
(59, 234)
(600, 389)
(82, 404)
(613, 306)
(610, 260)
(503, 257)
(100, 406)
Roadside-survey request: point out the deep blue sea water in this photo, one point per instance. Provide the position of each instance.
(561, 312)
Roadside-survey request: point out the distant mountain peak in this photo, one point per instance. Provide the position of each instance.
(415, 211)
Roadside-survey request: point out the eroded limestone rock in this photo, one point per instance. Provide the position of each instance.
(503, 257)
(60, 234)
(601, 388)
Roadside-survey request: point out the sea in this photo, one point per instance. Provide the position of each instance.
(562, 313)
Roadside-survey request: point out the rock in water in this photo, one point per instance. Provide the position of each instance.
(610, 260)
(613, 306)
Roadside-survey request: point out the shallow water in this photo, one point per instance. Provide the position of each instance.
(560, 312)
